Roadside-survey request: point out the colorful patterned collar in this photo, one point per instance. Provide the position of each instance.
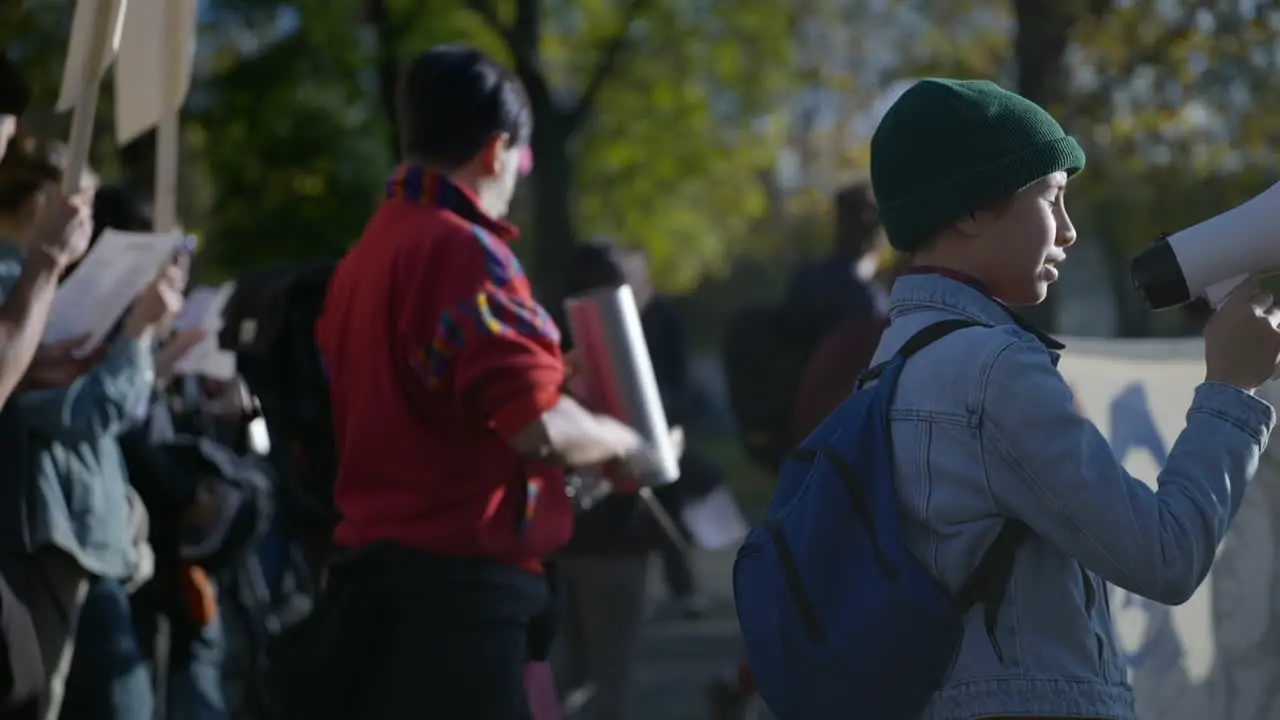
(413, 183)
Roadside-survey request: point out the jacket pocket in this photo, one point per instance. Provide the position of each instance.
(1091, 593)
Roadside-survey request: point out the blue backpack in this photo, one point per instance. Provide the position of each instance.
(839, 619)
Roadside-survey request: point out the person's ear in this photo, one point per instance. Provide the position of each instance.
(492, 155)
(969, 225)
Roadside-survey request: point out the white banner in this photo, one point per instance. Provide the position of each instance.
(1218, 656)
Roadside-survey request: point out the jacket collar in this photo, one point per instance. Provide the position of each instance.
(927, 288)
(415, 184)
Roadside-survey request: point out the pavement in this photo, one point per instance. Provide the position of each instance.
(678, 657)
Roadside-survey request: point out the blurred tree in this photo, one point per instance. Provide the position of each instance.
(287, 124)
(659, 137)
(652, 122)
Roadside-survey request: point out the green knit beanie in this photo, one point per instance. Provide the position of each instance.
(949, 147)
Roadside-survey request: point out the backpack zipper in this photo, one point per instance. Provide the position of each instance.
(795, 584)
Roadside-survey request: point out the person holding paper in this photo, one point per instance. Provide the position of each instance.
(450, 426)
(57, 229)
(79, 513)
(62, 233)
(193, 682)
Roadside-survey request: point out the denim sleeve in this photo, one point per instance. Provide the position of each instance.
(104, 401)
(1050, 467)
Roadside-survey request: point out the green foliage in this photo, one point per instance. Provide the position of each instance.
(287, 140)
(674, 157)
(295, 151)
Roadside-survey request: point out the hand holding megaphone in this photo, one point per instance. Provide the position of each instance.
(1241, 342)
(1209, 259)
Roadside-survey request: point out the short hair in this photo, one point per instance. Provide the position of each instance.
(453, 100)
(595, 266)
(28, 166)
(858, 227)
(118, 208)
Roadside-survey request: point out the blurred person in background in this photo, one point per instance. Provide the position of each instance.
(603, 572)
(845, 295)
(83, 520)
(450, 427)
(176, 497)
(601, 575)
(846, 285)
(842, 284)
(61, 234)
(667, 338)
(210, 505)
(767, 349)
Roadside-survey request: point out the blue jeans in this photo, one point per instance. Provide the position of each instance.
(195, 691)
(109, 679)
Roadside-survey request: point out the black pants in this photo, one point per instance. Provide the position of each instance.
(402, 634)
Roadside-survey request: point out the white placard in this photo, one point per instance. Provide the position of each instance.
(153, 66)
(1214, 656)
(81, 47)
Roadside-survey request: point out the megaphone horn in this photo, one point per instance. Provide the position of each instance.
(1211, 258)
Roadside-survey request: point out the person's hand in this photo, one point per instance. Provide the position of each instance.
(643, 466)
(1241, 342)
(58, 365)
(174, 350)
(575, 376)
(63, 226)
(677, 440)
(158, 304)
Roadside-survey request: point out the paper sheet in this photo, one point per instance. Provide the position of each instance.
(714, 521)
(111, 276)
(203, 309)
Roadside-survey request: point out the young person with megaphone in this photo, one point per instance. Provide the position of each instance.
(972, 181)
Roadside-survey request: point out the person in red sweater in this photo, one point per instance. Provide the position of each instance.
(451, 429)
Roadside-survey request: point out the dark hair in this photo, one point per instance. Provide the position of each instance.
(27, 167)
(858, 228)
(454, 99)
(15, 94)
(116, 207)
(595, 266)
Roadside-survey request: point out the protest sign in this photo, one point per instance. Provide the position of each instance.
(1215, 656)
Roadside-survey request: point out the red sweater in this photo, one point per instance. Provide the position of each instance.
(437, 352)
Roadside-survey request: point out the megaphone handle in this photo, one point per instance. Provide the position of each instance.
(664, 519)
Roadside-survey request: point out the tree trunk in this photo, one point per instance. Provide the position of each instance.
(377, 15)
(553, 234)
(1040, 46)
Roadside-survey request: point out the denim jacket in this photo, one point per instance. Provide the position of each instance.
(984, 429)
(79, 497)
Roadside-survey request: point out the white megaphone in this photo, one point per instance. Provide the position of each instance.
(1210, 259)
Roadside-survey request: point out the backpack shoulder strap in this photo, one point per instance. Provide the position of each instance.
(988, 582)
(921, 340)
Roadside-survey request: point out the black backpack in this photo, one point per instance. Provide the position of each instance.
(270, 326)
(765, 352)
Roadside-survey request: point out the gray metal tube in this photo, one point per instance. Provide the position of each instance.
(619, 372)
